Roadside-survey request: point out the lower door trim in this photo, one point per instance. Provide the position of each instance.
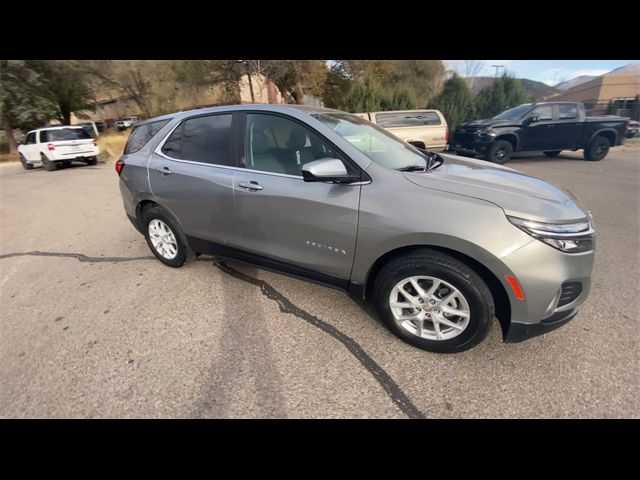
(223, 251)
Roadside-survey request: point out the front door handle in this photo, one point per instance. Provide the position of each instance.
(165, 171)
(252, 185)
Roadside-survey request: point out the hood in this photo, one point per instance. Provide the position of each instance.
(517, 193)
(488, 122)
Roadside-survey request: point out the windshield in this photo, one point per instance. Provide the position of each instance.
(514, 113)
(376, 143)
(65, 134)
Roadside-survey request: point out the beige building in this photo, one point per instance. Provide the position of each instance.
(596, 94)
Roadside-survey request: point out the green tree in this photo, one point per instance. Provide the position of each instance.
(455, 101)
(22, 104)
(505, 92)
(635, 110)
(65, 87)
(400, 97)
(367, 95)
(296, 78)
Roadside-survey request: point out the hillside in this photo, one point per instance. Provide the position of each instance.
(532, 88)
(564, 86)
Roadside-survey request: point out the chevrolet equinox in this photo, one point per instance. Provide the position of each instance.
(439, 243)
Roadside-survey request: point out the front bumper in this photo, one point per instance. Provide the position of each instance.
(554, 284)
(518, 332)
(473, 144)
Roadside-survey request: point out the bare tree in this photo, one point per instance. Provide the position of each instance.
(471, 69)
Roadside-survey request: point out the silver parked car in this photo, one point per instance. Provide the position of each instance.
(440, 244)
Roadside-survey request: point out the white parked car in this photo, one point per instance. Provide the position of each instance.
(127, 122)
(55, 146)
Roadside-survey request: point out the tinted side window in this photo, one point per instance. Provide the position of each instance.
(566, 112)
(31, 139)
(279, 145)
(407, 119)
(171, 146)
(543, 113)
(142, 134)
(209, 140)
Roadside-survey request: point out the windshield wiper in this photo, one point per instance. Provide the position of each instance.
(413, 168)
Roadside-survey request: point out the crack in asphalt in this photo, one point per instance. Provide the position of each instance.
(395, 393)
(81, 257)
(391, 388)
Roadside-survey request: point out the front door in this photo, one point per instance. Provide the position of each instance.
(308, 225)
(192, 176)
(540, 133)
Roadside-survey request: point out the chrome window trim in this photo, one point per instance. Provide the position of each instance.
(158, 151)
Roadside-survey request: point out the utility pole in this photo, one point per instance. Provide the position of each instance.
(497, 67)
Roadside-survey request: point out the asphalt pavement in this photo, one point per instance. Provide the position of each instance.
(91, 325)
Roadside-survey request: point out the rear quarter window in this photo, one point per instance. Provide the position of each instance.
(141, 135)
(407, 119)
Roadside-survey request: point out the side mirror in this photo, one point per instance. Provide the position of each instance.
(327, 170)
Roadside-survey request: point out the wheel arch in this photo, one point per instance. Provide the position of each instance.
(500, 297)
(608, 133)
(512, 138)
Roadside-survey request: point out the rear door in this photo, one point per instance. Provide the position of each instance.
(191, 174)
(568, 131)
(540, 134)
(310, 225)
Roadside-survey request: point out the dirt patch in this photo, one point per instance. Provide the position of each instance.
(9, 157)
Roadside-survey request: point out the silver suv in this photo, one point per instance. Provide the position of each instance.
(440, 244)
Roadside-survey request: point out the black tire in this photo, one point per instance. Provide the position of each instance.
(185, 254)
(48, 165)
(597, 149)
(436, 264)
(92, 161)
(25, 165)
(552, 154)
(499, 152)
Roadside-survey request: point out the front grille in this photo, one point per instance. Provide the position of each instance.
(570, 291)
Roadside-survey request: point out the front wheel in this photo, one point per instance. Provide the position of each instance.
(165, 238)
(499, 152)
(597, 149)
(25, 164)
(434, 302)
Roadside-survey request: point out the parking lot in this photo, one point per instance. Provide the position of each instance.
(91, 325)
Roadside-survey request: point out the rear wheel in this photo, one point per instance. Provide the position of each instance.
(434, 302)
(499, 152)
(26, 166)
(165, 238)
(597, 149)
(552, 154)
(49, 166)
(92, 161)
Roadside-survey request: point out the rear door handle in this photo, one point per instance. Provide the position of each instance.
(165, 171)
(251, 186)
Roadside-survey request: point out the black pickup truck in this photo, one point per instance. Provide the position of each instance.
(547, 126)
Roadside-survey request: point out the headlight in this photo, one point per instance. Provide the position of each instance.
(575, 237)
(485, 131)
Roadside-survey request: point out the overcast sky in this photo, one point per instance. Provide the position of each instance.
(548, 71)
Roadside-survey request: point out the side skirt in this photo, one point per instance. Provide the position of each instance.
(277, 266)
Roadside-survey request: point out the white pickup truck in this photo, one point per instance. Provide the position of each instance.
(55, 146)
(426, 129)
